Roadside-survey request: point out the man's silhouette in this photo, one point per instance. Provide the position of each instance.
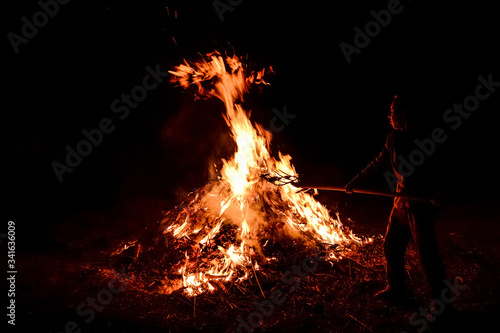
(408, 218)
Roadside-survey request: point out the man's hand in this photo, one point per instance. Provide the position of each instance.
(349, 187)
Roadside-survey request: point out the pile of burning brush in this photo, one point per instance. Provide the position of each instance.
(241, 223)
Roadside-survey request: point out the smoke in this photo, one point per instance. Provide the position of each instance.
(194, 141)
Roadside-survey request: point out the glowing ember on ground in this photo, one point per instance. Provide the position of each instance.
(223, 230)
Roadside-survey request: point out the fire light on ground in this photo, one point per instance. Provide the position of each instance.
(223, 232)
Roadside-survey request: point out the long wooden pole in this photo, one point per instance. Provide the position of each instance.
(385, 194)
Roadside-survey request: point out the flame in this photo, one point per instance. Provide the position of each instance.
(240, 201)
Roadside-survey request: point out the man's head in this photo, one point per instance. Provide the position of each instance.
(398, 116)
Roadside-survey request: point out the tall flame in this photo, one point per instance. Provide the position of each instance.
(240, 202)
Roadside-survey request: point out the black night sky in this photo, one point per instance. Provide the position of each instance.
(64, 79)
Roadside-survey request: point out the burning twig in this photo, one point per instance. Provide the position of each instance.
(255, 274)
(362, 324)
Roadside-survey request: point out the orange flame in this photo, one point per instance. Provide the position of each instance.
(240, 197)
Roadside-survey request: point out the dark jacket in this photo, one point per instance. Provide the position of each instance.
(406, 166)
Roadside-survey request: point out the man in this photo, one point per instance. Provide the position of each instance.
(409, 218)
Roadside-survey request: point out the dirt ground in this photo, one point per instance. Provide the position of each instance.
(56, 287)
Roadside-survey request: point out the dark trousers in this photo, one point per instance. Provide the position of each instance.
(407, 220)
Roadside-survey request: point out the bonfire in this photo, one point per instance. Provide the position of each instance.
(240, 223)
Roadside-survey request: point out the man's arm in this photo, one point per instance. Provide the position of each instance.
(377, 165)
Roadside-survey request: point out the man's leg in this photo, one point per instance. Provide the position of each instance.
(396, 240)
(422, 226)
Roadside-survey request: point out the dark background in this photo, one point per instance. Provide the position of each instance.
(65, 78)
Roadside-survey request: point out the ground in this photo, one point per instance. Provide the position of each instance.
(57, 287)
